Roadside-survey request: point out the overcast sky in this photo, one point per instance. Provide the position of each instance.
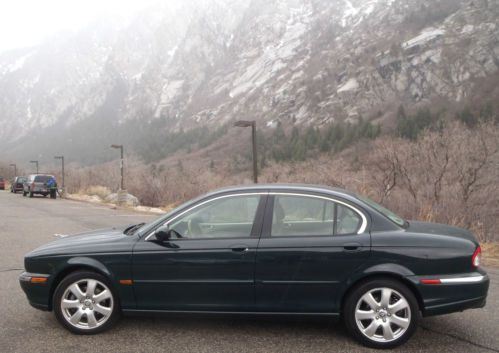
(27, 22)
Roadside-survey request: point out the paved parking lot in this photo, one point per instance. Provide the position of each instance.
(27, 223)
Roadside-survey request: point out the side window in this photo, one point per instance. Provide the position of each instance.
(302, 216)
(309, 216)
(348, 221)
(230, 217)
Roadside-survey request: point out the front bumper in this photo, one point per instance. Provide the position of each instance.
(451, 293)
(38, 293)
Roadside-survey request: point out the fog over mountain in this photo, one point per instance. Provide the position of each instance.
(206, 63)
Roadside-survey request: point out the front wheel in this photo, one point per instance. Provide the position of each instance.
(85, 303)
(381, 313)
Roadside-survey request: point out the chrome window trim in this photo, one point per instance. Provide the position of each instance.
(203, 203)
(362, 228)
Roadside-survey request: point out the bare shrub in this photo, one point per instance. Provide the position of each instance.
(447, 176)
(101, 191)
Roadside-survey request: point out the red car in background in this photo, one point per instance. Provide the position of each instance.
(2, 183)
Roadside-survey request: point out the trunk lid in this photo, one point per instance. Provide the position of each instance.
(440, 229)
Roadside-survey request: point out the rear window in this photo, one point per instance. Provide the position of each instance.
(42, 178)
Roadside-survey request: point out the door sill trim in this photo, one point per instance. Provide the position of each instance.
(206, 312)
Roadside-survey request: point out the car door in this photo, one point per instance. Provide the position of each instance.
(310, 245)
(209, 265)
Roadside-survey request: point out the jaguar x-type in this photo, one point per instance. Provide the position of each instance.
(264, 250)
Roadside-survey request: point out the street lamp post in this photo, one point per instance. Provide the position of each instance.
(252, 124)
(121, 164)
(62, 160)
(15, 169)
(36, 162)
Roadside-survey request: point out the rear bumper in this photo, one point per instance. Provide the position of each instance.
(40, 191)
(452, 292)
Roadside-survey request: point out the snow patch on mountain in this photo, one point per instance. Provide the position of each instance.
(426, 35)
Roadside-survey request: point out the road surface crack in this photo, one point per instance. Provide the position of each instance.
(460, 339)
(11, 269)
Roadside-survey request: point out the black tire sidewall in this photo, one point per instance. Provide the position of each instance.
(70, 279)
(359, 291)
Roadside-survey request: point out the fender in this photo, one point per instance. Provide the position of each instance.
(379, 269)
(89, 262)
(390, 269)
(68, 266)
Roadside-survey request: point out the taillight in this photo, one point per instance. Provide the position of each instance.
(477, 257)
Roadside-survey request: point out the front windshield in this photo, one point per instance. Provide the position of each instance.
(148, 226)
(385, 211)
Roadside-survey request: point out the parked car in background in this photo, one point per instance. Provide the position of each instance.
(37, 184)
(264, 250)
(2, 183)
(17, 184)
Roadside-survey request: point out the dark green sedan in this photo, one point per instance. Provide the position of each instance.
(264, 250)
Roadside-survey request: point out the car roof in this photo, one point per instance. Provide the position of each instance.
(286, 187)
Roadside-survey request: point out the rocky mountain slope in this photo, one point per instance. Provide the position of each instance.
(180, 65)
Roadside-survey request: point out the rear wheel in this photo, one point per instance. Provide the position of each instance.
(381, 313)
(85, 303)
(30, 194)
(24, 193)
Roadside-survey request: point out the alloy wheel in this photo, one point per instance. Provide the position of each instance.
(87, 304)
(383, 315)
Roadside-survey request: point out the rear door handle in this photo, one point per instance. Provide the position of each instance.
(352, 247)
(239, 248)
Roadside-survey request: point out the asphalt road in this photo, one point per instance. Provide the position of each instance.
(27, 223)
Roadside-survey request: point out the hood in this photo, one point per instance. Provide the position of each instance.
(440, 229)
(95, 241)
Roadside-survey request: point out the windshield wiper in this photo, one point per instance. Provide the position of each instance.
(131, 230)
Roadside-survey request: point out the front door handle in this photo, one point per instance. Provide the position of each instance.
(239, 248)
(352, 247)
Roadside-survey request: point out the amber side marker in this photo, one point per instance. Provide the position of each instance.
(39, 279)
(126, 282)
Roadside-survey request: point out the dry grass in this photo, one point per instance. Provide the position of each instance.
(101, 191)
(490, 253)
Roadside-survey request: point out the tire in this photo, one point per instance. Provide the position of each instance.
(381, 328)
(83, 307)
(44, 195)
(30, 194)
(24, 193)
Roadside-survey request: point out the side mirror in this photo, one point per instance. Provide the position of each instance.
(163, 233)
